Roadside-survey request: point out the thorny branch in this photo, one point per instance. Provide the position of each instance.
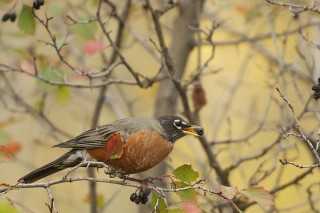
(126, 181)
(29, 109)
(105, 77)
(301, 134)
(296, 8)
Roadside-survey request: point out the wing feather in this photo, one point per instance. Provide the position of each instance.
(93, 138)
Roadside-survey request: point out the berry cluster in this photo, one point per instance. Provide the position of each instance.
(9, 16)
(316, 89)
(37, 4)
(142, 197)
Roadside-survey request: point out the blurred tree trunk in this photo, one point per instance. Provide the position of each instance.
(182, 43)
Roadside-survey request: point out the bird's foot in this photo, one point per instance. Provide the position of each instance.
(112, 172)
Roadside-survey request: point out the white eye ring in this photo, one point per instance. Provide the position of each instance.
(177, 123)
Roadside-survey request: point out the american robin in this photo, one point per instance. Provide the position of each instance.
(128, 146)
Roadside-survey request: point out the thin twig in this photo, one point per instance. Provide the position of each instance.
(303, 136)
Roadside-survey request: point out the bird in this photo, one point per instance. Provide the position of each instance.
(129, 146)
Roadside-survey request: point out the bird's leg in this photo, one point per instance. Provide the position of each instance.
(112, 172)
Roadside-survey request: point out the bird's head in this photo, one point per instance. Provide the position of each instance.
(175, 127)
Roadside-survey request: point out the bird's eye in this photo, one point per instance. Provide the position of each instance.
(177, 123)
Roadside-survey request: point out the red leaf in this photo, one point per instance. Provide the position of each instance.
(6, 154)
(27, 66)
(93, 47)
(190, 207)
(9, 149)
(198, 96)
(114, 147)
(13, 147)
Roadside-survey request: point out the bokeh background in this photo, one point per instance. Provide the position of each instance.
(254, 48)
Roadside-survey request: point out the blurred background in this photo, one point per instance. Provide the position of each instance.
(68, 66)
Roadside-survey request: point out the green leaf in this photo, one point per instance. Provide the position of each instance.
(4, 137)
(162, 207)
(7, 206)
(86, 31)
(228, 191)
(259, 195)
(51, 74)
(63, 93)
(26, 22)
(186, 174)
(253, 13)
(185, 195)
(38, 105)
(22, 52)
(5, 1)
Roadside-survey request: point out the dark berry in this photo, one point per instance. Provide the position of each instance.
(13, 17)
(36, 5)
(145, 5)
(316, 95)
(144, 200)
(141, 193)
(137, 200)
(6, 17)
(316, 87)
(41, 2)
(133, 197)
(170, 2)
(146, 192)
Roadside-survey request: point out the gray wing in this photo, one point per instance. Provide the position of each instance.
(97, 137)
(93, 138)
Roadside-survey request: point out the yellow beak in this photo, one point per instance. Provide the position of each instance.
(193, 130)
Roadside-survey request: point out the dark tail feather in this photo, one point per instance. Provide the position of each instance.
(70, 159)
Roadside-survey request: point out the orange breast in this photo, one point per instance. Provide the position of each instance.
(141, 152)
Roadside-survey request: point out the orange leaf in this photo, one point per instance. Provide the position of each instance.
(13, 147)
(241, 9)
(9, 149)
(6, 154)
(6, 122)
